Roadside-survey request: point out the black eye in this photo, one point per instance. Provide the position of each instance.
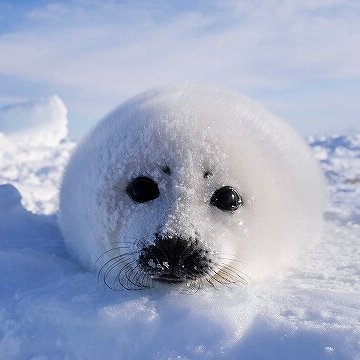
(226, 198)
(142, 189)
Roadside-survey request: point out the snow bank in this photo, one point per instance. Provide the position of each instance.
(36, 173)
(340, 159)
(33, 150)
(50, 308)
(35, 123)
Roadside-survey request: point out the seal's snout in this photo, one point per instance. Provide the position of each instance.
(174, 259)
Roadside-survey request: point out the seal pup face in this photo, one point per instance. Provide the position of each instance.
(189, 185)
(175, 207)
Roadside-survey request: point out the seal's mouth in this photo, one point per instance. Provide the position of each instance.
(169, 279)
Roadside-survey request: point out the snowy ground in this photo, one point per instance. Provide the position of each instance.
(50, 308)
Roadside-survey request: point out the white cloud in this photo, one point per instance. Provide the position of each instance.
(37, 123)
(95, 53)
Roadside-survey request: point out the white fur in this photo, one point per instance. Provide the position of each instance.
(193, 129)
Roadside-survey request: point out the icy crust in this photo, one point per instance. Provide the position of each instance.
(193, 129)
(35, 123)
(50, 308)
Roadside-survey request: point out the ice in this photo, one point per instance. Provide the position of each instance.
(51, 308)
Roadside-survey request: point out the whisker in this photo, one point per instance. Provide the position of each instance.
(125, 269)
(105, 265)
(113, 264)
(235, 269)
(109, 270)
(136, 277)
(228, 273)
(245, 280)
(232, 259)
(130, 279)
(113, 249)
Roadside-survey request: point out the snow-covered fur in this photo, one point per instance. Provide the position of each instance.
(192, 140)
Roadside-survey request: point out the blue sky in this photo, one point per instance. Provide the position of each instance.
(299, 58)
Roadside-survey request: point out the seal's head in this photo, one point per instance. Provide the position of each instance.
(189, 185)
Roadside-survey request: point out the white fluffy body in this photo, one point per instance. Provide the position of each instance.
(192, 130)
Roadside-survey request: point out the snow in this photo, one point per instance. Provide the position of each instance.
(51, 308)
(33, 150)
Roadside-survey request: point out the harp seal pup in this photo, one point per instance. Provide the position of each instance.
(191, 186)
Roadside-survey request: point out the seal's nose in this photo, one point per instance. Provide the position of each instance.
(173, 259)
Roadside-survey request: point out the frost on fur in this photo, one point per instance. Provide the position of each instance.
(206, 139)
